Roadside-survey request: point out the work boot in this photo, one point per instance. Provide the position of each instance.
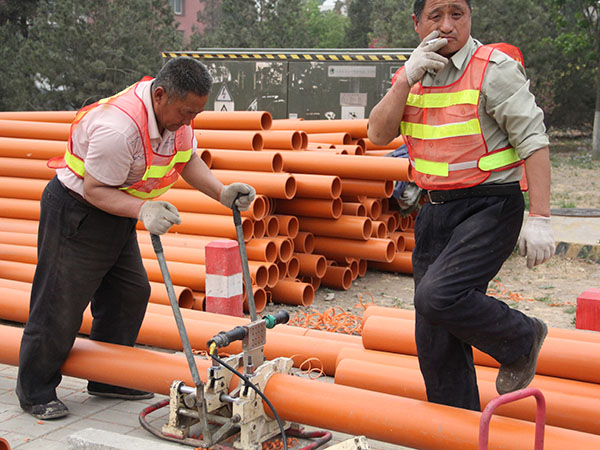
(47, 411)
(518, 375)
(110, 391)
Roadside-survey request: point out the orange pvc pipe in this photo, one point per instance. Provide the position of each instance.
(390, 221)
(248, 161)
(409, 239)
(25, 168)
(207, 224)
(282, 139)
(283, 270)
(314, 146)
(348, 227)
(371, 249)
(347, 166)
(351, 149)
(354, 209)
(394, 144)
(401, 262)
(260, 229)
(275, 185)
(182, 274)
(18, 253)
(288, 225)
(260, 299)
(262, 250)
(22, 188)
(304, 242)
(20, 209)
(318, 186)
(356, 128)
(39, 116)
(329, 209)
(379, 229)
(34, 130)
(370, 188)
(293, 267)
(311, 265)
(271, 226)
(373, 207)
(337, 277)
(228, 139)
(17, 238)
(558, 357)
(19, 225)
(31, 148)
(14, 284)
(341, 138)
(233, 120)
(259, 273)
(285, 247)
(158, 294)
(565, 411)
(292, 292)
(191, 200)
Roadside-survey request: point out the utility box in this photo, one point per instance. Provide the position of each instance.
(307, 84)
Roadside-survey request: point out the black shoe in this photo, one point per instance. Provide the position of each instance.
(518, 375)
(47, 411)
(110, 391)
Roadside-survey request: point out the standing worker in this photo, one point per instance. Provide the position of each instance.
(469, 119)
(123, 152)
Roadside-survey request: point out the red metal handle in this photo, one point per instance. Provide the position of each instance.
(540, 417)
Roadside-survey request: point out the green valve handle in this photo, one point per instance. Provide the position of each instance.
(281, 316)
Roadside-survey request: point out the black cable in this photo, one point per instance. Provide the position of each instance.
(249, 383)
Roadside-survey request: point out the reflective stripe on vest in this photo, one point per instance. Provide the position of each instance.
(146, 195)
(490, 162)
(466, 97)
(182, 156)
(427, 132)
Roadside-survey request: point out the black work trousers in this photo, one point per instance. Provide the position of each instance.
(460, 246)
(84, 254)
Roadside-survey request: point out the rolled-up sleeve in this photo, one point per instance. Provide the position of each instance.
(510, 103)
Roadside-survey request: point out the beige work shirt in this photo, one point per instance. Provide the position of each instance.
(507, 110)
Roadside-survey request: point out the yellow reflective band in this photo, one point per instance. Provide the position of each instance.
(499, 159)
(466, 97)
(145, 195)
(74, 163)
(431, 167)
(428, 132)
(161, 171)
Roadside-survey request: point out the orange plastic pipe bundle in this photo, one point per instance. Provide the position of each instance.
(356, 128)
(239, 140)
(372, 249)
(34, 130)
(318, 186)
(158, 294)
(341, 138)
(337, 277)
(25, 168)
(282, 139)
(275, 185)
(347, 166)
(401, 262)
(566, 411)
(31, 148)
(558, 358)
(329, 209)
(370, 188)
(233, 120)
(234, 160)
(39, 116)
(349, 227)
(311, 265)
(293, 292)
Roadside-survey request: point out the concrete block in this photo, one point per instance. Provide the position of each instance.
(94, 439)
(588, 310)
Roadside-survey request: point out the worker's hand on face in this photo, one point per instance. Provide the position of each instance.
(230, 192)
(158, 216)
(424, 58)
(537, 240)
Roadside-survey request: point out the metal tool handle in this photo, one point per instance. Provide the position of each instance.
(237, 220)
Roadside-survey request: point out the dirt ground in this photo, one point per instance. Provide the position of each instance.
(548, 291)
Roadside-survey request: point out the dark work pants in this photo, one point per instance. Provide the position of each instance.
(459, 247)
(84, 254)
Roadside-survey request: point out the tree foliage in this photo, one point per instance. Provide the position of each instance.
(78, 51)
(359, 28)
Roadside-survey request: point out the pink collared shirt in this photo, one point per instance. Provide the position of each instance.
(110, 144)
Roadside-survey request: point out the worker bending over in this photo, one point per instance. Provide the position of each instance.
(123, 152)
(469, 120)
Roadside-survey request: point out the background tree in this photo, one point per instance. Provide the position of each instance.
(359, 28)
(79, 51)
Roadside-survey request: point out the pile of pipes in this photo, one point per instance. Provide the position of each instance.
(321, 216)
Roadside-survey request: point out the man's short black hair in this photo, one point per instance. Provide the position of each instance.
(182, 75)
(420, 4)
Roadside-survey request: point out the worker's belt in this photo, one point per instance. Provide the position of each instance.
(75, 195)
(482, 190)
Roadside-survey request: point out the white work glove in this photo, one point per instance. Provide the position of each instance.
(158, 216)
(230, 192)
(424, 58)
(409, 198)
(537, 240)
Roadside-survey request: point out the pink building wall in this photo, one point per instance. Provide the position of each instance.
(188, 19)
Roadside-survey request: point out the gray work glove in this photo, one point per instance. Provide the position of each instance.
(158, 216)
(230, 192)
(537, 240)
(424, 58)
(409, 199)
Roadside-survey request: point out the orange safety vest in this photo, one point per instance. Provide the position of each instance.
(441, 128)
(161, 171)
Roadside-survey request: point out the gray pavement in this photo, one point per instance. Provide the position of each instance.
(115, 422)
